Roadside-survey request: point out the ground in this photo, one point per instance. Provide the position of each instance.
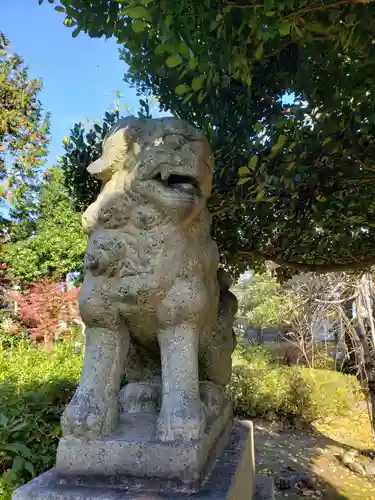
(313, 452)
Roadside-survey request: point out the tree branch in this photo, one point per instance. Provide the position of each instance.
(314, 268)
(342, 301)
(319, 6)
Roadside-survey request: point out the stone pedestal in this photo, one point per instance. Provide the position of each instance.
(232, 477)
(134, 450)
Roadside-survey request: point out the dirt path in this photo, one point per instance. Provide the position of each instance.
(313, 453)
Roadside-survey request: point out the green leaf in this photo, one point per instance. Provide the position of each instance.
(29, 467)
(65, 140)
(298, 30)
(168, 21)
(3, 420)
(18, 448)
(280, 141)
(75, 32)
(20, 426)
(243, 180)
(193, 63)
(183, 49)
(182, 89)
(68, 21)
(253, 162)
(138, 26)
(197, 82)
(40, 2)
(137, 12)
(161, 49)
(321, 198)
(284, 28)
(213, 26)
(173, 61)
(243, 171)
(59, 8)
(259, 127)
(201, 96)
(259, 52)
(18, 464)
(260, 195)
(317, 28)
(187, 98)
(327, 140)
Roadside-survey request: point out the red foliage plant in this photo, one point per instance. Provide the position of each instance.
(43, 306)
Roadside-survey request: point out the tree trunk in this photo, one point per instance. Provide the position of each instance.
(371, 389)
(368, 355)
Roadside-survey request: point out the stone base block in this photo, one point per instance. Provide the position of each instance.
(133, 450)
(232, 478)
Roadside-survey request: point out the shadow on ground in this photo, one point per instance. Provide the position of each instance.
(281, 451)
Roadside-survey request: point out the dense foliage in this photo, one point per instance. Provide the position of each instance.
(57, 245)
(35, 386)
(292, 182)
(263, 302)
(23, 131)
(260, 388)
(43, 307)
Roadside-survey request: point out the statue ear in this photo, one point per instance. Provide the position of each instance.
(119, 139)
(99, 169)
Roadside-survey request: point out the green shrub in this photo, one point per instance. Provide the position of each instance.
(35, 386)
(260, 388)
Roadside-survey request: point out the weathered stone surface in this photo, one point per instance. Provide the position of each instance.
(232, 478)
(156, 308)
(264, 488)
(134, 450)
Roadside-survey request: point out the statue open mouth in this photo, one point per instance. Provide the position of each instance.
(179, 183)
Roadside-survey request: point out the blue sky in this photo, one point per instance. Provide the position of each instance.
(80, 75)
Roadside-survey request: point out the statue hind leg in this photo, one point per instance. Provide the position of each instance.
(215, 369)
(142, 391)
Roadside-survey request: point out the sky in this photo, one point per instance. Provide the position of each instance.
(80, 75)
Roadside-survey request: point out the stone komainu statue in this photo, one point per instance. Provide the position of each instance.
(156, 308)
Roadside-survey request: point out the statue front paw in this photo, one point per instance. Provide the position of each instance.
(181, 419)
(89, 415)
